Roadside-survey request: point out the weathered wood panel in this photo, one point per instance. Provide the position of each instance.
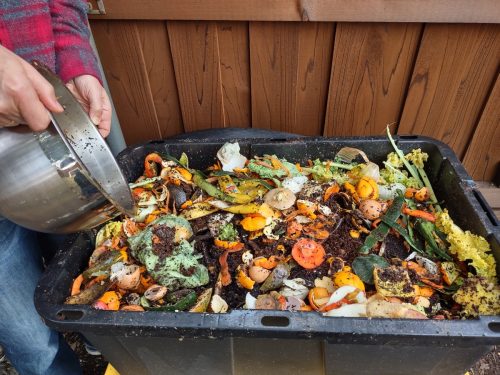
(234, 57)
(370, 72)
(308, 78)
(196, 61)
(118, 42)
(484, 11)
(454, 71)
(482, 159)
(290, 68)
(161, 76)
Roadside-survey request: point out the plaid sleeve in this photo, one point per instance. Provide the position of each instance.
(74, 55)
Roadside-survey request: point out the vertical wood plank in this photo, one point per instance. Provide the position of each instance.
(370, 72)
(234, 53)
(160, 70)
(453, 74)
(482, 159)
(196, 62)
(290, 68)
(120, 50)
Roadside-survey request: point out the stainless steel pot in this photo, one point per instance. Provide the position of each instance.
(64, 179)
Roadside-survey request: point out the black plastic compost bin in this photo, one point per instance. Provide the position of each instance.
(279, 342)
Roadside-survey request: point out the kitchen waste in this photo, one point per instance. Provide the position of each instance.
(340, 237)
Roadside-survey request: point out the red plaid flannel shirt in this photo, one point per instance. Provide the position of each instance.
(54, 32)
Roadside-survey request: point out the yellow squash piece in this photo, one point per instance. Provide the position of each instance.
(198, 210)
(253, 222)
(184, 173)
(202, 302)
(251, 208)
(112, 300)
(245, 281)
(346, 277)
(367, 188)
(393, 281)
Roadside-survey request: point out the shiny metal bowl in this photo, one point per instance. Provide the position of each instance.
(64, 179)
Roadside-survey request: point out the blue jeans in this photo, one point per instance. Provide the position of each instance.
(30, 345)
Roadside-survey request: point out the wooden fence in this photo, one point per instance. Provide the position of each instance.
(226, 69)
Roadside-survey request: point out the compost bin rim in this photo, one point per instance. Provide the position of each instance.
(245, 323)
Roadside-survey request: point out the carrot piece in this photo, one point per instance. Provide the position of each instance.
(419, 213)
(96, 280)
(224, 269)
(150, 168)
(228, 245)
(410, 192)
(425, 291)
(77, 284)
(318, 297)
(335, 305)
(115, 243)
(334, 189)
(431, 284)
(294, 230)
(308, 253)
(266, 263)
(137, 191)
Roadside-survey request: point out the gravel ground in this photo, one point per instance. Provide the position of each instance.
(96, 365)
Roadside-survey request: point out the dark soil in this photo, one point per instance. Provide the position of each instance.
(163, 240)
(340, 243)
(91, 364)
(488, 364)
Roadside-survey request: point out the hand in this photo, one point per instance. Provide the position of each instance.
(94, 99)
(25, 96)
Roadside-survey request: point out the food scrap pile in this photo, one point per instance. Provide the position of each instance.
(342, 237)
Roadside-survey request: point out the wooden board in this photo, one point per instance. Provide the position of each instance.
(491, 193)
(485, 11)
(290, 68)
(370, 72)
(161, 76)
(118, 42)
(196, 62)
(482, 159)
(454, 71)
(232, 41)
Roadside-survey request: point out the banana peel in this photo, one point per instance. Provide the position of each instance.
(198, 210)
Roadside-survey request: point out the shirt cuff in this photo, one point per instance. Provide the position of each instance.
(75, 60)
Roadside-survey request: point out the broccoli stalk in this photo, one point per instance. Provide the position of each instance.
(401, 155)
(417, 172)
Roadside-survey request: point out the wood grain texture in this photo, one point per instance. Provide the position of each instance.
(370, 72)
(232, 38)
(484, 11)
(161, 76)
(454, 71)
(482, 159)
(120, 50)
(290, 69)
(196, 62)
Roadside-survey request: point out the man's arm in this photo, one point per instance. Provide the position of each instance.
(74, 55)
(76, 62)
(25, 95)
